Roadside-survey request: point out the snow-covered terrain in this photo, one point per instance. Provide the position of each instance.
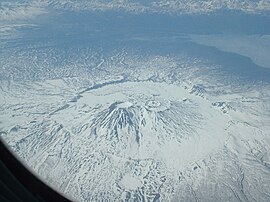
(30, 8)
(117, 105)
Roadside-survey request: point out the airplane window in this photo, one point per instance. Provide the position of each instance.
(135, 100)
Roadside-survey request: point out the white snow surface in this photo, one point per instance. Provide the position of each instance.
(21, 9)
(135, 138)
(134, 112)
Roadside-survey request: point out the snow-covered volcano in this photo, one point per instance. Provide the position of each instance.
(130, 140)
(139, 100)
(135, 122)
